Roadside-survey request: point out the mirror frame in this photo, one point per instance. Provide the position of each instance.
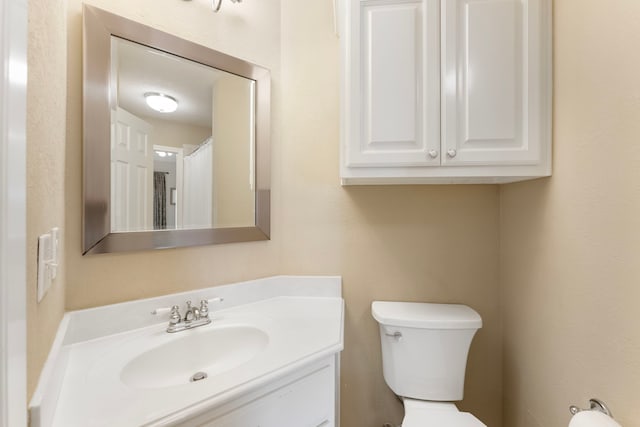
(98, 27)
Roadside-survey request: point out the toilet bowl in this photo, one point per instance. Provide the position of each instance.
(424, 359)
(424, 413)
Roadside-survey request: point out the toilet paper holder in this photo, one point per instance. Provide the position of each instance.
(596, 405)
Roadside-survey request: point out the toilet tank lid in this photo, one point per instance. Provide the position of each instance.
(425, 315)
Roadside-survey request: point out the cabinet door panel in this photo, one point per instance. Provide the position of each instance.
(306, 402)
(392, 75)
(395, 84)
(491, 52)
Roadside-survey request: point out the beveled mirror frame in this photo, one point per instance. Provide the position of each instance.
(98, 27)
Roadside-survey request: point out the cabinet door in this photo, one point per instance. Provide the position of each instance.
(306, 402)
(392, 83)
(493, 82)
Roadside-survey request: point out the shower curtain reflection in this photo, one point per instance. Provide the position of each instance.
(198, 187)
(159, 201)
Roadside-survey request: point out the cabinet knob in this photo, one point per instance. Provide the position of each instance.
(451, 153)
(433, 153)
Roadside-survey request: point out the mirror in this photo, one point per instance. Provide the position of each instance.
(200, 143)
(176, 148)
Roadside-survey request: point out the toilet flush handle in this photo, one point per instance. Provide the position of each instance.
(397, 335)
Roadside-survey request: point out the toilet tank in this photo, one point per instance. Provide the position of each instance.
(425, 347)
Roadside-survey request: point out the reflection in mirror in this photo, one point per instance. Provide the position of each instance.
(175, 138)
(198, 140)
(166, 179)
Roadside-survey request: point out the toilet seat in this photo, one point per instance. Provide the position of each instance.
(436, 414)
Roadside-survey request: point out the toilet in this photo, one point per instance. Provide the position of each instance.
(424, 358)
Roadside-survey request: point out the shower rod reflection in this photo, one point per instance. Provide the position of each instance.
(217, 4)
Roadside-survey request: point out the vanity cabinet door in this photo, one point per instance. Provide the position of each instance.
(308, 401)
(393, 83)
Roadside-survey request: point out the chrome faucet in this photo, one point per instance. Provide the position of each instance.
(192, 313)
(193, 317)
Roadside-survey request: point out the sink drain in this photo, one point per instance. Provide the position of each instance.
(198, 376)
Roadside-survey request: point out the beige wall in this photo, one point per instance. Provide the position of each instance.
(435, 243)
(46, 152)
(174, 134)
(233, 196)
(432, 243)
(570, 244)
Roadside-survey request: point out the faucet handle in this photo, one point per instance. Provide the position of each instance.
(204, 308)
(162, 310)
(204, 305)
(175, 318)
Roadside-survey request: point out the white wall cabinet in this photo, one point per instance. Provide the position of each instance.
(445, 91)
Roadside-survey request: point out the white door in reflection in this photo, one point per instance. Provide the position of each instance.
(131, 173)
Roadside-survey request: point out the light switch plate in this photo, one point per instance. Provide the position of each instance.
(55, 251)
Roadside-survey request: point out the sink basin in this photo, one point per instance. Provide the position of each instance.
(208, 350)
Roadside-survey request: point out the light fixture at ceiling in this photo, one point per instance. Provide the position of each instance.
(161, 102)
(164, 153)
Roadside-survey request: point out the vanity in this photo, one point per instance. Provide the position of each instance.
(269, 357)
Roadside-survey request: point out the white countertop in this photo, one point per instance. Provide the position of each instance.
(300, 329)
